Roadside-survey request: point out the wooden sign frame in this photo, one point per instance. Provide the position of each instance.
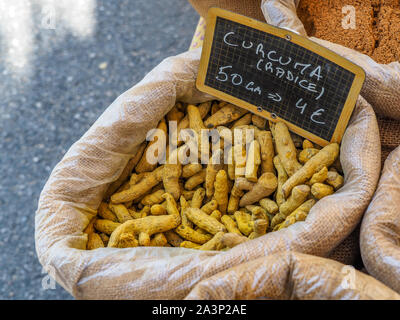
(348, 108)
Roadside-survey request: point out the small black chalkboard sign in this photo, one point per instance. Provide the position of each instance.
(279, 75)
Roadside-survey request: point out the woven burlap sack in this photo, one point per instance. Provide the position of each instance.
(290, 275)
(76, 186)
(380, 228)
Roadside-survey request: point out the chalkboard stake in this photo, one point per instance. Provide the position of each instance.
(279, 75)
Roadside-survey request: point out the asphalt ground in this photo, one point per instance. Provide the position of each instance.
(61, 65)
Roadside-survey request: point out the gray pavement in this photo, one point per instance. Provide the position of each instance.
(54, 84)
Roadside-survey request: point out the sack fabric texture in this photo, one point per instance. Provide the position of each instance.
(77, 184)
(380, 229)
(294, 276)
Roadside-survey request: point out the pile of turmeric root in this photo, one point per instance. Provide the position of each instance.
(272, 181)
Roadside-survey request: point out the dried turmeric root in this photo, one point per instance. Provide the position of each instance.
(265, 186)
(190, 234)
(264, 138)
(210, 206)
(221, 190)
(173, 238)
(144, 165)
(319, 177)
(214, 244)
(253, 161)
(195, 180)
(298, 197)
(106, 226)
(121, 212)
(215, 164)
(225, 115)
(269, 205)
(204, 221)
(282, 178)
(300, 214)
(106, 213)
(230, 224)
(94, 241)
(149, 181)
(320, 190)
(286, 149)
(324, 158)
(334, 179)
(191, 169)
(244, 222)
(260, 228)
(233, 203)
(153, 198)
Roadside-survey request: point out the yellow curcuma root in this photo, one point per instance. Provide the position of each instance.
(319, 177)
(153, 198)
(106, 213)
(126, 172)
(210, 206)
(230, 224)
(190, 234)
(143, 228)
(239, 156)
(320, 190)
(264, 138)
(324, 158)
(190, 245)
(244, 222)
(282, 178)
(191, 169)
(253, 161)
(94, 241)
(173, 238)
(158, 210)
(225, 115)
(233, 203)
(300, 214)
(204, 221)
(307, 144)
(260, 228)
(214, 244)
(149, 180)
(144, 165)
(195, 180)
(158, 240)
(215, 164)
(121, 212)
(171, 174)
(265, 186)
(258, 121)
(216, 214)
(335, 180)
(245, 120)
(298, 197)
(198, 198)
(307, 154)
(269, 205)
(221, 190)
(286, 149)
(106, 226)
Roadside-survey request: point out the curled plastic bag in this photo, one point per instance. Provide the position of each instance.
(294, 276)
(77, 184)
(382, 85)
(380, 229)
